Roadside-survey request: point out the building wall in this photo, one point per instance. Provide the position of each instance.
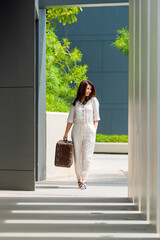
(93, 34)
(144, 108)
(17, 95)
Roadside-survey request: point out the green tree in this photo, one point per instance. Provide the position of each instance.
(122, 41)
(63, 73)
(63, 69)
(63, 15)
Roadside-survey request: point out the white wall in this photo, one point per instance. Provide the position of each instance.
(56, 124)
(144, 107)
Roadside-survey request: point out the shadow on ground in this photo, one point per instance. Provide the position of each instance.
(78, 218)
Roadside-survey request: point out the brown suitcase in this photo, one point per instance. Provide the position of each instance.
(63, 154)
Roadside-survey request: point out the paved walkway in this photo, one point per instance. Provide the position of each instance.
(59, 210)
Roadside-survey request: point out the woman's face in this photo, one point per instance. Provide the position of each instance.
(88, 90)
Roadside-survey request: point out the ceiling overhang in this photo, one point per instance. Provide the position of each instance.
(81, 3)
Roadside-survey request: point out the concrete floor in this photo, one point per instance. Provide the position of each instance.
(59, 210)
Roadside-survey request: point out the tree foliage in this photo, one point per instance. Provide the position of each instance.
(63, 15)
(63, 72)
(122, 41)
(63, 69)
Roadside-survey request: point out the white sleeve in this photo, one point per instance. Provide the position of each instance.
(71, 115)
(96, 116)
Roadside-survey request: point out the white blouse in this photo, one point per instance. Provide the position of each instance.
(87, 113)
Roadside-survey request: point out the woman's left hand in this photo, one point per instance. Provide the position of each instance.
(96, 125)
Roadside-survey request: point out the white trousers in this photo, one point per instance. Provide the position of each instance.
(83, 137)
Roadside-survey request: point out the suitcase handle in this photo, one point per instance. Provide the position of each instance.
(67, 141)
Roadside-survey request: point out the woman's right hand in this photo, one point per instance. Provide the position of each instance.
(65, 137)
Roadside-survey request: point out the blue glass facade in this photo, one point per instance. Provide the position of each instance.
(93, 34)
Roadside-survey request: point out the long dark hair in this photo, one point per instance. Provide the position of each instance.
(81, 92)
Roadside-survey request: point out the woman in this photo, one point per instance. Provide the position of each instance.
(84, 113)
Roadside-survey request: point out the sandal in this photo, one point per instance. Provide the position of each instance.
(79, 183)
(83, 185)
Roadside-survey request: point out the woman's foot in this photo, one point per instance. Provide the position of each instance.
(83, 185)
(79, 182)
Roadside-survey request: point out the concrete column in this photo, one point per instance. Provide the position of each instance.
(137, 82)
(41, 168)
(144, 108)
(158, 113)
(154, 112)
(17, 95)
(131, 101)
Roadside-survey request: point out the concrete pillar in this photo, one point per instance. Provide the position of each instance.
(137, 82)
(41, 91)
(154, 112)
(144, 108)
(131, 101)
(17, 95)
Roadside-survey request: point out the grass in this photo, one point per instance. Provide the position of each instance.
(111, 138)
